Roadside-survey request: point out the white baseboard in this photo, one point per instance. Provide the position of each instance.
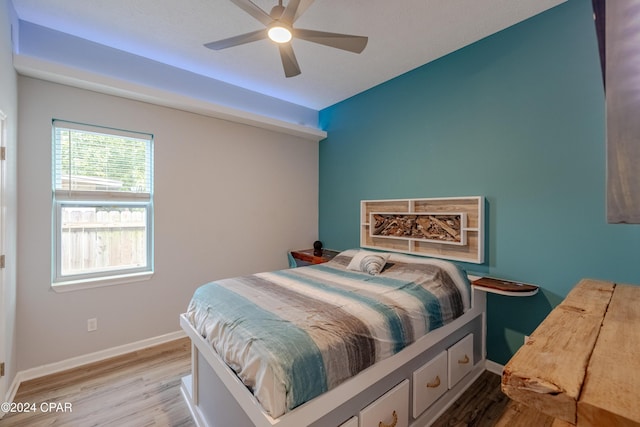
(11, 393)
(494, 367)
(74, 362)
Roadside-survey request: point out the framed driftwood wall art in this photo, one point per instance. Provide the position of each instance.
(450, 228)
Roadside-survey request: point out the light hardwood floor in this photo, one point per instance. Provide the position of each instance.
(137, 389)
(143, 389)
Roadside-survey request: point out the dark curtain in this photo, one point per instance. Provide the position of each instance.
(622, 31)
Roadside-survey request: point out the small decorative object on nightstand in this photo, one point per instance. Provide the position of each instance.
(504, 287)
(308, 256)
(317, 248)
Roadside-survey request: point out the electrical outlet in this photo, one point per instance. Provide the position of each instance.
(92, 324)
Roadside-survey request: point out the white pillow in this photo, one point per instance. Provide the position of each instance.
(368, 262)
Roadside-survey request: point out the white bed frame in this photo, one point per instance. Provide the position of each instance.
(217, 397)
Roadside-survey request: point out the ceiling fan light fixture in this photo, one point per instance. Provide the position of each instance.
(279, 34)
(280, 29)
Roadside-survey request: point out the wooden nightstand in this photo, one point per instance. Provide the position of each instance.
(306, 257)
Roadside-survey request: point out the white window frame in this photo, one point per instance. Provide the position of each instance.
(97, 199)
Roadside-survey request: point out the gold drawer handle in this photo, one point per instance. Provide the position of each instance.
(464, 361)
(393, 423)
(435, 383)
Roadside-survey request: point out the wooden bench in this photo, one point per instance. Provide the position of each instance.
(582, 364)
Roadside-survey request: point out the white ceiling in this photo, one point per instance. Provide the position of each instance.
(402, 35)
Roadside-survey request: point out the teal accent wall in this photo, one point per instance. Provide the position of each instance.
(517, 117)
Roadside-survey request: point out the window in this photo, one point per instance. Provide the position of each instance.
(102, 205)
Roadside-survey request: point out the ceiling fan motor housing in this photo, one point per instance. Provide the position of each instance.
(277, 11)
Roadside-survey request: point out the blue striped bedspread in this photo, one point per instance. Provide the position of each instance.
(293, 334)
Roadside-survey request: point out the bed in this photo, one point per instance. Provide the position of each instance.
(368, 338)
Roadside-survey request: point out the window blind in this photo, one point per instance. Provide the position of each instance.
(88, 161)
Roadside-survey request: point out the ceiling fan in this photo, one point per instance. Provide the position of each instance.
(279, 23)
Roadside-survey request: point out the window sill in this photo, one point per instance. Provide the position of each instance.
(76, 285)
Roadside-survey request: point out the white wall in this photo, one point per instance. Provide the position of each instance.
(9, 106)
(230, 199)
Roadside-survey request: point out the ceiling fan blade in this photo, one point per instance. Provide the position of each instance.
(253, 10)
(289, 61)
(302, 7)
(348, 42)
(290, 11)
(238, 40)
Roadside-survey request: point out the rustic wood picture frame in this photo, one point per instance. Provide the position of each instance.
(450, 228)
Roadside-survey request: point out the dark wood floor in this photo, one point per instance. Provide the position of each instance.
(143, 389)
(481, 405)
(484, 405)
